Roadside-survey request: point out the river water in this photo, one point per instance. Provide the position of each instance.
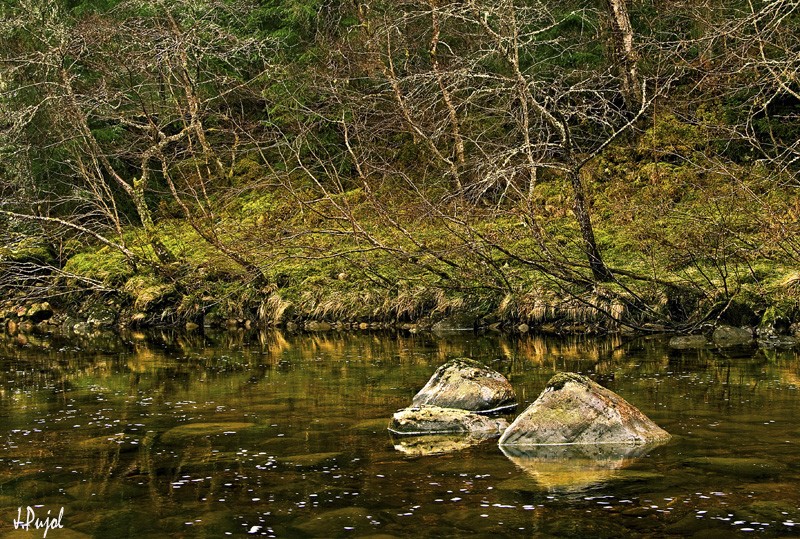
(270, 434)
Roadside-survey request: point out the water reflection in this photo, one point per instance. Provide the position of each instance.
(575, 468)
(438, 444)
(154, 434)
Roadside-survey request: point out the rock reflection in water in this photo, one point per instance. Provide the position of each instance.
(437, 444)
(577, 467)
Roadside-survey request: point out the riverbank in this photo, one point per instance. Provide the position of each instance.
(686, 247)
(23, 322)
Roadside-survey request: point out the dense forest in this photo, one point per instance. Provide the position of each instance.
(573, 165)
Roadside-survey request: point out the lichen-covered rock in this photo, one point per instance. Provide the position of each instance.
(467, 385)
(419, 420)
(732, 336)
(573, 409)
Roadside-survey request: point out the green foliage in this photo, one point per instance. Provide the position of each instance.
(105, 264)
(27, 250)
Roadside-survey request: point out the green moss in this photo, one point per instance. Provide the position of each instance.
(27, 250)
(671, 136)
(247, 171)
(105, 264)
(558, 381)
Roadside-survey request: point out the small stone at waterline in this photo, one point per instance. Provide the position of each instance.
(688, 342)
(436, 420)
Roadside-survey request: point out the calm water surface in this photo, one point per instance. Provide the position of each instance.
(163, 435)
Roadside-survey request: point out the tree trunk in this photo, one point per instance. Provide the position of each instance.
(624, 54)
(596, 264)
(163, 254)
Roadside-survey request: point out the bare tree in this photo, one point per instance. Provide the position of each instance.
(143, 105)
(497, 98)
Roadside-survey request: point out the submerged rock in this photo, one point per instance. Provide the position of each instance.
(573, 409)
(467, 385)
(186, 434)
(725, 336)
(332, 523)
(419, 420)
(314, 459)
(743, 468)
(688, 342)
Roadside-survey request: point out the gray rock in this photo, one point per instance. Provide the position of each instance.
(420, 420)
(573, 409)
(467, 385)
(731, 336)
(688, 342)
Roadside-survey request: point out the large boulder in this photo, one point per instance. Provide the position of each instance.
(573, 409)
(467, 385)
(419, 420)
